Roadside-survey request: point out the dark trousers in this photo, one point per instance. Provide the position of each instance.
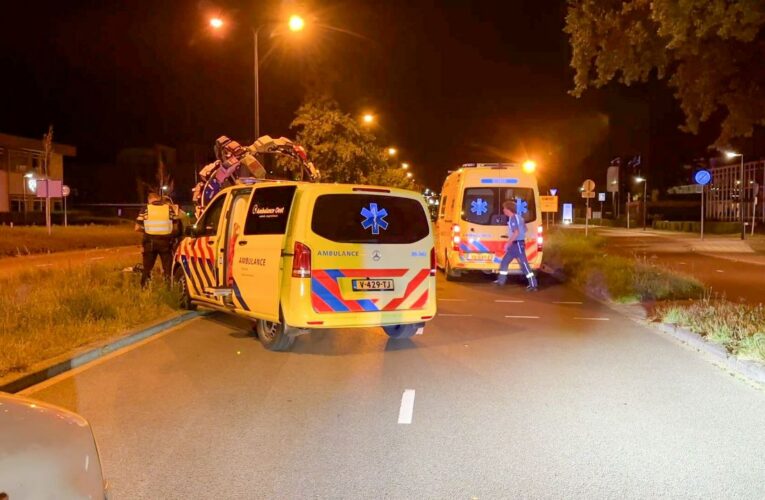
(516, 250)
(153, 247)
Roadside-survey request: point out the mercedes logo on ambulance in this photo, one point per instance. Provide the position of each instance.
(376, 255)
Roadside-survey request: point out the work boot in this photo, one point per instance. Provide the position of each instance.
(500, 281)
(532, 283)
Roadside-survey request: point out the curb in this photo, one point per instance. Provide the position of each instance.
(750, 370)
(61, 364)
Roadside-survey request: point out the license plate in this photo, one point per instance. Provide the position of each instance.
(480, 256)
(372, 285)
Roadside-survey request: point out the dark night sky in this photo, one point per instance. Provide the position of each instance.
(450, 81)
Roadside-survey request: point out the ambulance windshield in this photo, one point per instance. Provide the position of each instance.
(484, 205)
(369, 218)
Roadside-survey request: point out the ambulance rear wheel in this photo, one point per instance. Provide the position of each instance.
(450, 273)
(180, 281)
(402, 331)
(274, 336)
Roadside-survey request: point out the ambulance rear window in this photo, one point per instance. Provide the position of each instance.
(484, 205)
(369, 218)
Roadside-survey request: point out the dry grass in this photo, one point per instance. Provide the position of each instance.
(621, 279)
(24, 240)
(740, 328)
(47, 313)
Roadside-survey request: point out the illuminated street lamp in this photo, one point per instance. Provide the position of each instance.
(409, 174)
(392, 151)
(645, 201)
(731, 155)
(295, 24)
(165, 188)
(368, 118)
(529, 166)
(405, 165)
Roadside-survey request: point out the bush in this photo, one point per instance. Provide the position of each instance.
(44, 313)
(621, 279)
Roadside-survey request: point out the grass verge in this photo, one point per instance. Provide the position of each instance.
(45, 313)
(620, 279)
(740, 328)
(24, 240)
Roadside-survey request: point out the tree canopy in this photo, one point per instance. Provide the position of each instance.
(341, 148)
(710, 51)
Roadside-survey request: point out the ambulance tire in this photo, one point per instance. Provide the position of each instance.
(180, 280)
(402, 331)
(451, 275)
(274, 336)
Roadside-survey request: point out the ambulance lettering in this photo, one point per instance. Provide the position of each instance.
(338, 253)
(251, 261)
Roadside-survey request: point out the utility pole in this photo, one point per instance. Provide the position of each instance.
(47, 147)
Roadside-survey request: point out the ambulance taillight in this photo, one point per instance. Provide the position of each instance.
(301, 261)
(432, 261)
(540, 238)
(456, 238)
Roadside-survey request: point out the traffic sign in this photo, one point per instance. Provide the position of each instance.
(65, 191)
(553, 191)
(588, 185)
(548, 203)
(601, 196)
(588, 194)
(702, 177)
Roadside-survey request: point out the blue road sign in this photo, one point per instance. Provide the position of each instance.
(702, 177)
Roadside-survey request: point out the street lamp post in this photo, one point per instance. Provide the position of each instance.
(731, 154)
(645, 198)
(295, 23)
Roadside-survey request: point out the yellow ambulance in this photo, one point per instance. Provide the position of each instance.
(297, 256)
(471, 230)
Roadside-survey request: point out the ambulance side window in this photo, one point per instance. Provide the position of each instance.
(269, 210)
(210, 220)
(444, 199)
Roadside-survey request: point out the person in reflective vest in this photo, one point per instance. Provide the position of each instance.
(516, 247)
(159, 226)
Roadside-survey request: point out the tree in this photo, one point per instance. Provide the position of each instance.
(710, 51)
(340, 148)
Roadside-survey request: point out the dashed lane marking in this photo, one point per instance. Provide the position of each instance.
(43, 265)
(509, 301)
(407, 407)
(458, 315)
(719, 270)
(594, 319)
(523, 317)
(96, 258)
(452, 300)
(567, 302)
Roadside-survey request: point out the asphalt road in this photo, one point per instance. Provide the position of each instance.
(735, 276)
(564, 399)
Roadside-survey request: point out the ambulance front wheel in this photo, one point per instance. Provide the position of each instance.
(274, 336)
(402, 331)
(180, 281)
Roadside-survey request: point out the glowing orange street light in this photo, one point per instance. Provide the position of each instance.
(409, 174)
(296, 23)
(529, 166)
(216, 22)
(392, 151)
(405, 166)
(368, 118)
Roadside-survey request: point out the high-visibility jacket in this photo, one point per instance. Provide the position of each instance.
(158, 221)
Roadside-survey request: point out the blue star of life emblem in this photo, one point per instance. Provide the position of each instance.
(374, 218)
(479, 206)
(521, 206)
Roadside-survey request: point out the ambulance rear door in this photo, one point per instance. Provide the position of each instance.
(371, 252)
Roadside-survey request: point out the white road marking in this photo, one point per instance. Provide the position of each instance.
(523, 317)
(407, 407)
(682, 263)
(594, 319)
(567, 302)
(509, 301)
(457, 315)
(452, 300)
(720, 271)
(43, 265)
(96, 258)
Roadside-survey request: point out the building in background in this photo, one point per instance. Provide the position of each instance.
(21, 166)
(724, 193)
